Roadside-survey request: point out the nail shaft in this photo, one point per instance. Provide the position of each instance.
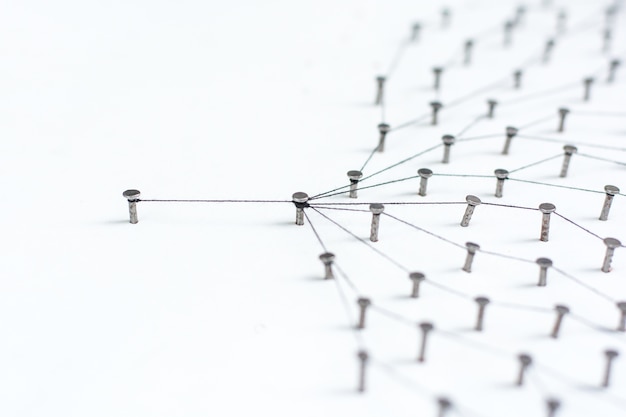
(327, 259)
(376, 210)
(561, 311)
(424, 174)
(380, 89)
(501, 176)
(383, 129)
(511, 132)
(610, 356)
(568, 150)
(363, 304)
(363, 359)
(544, 264)
(426, 329)
(525, 361)
(472, 202)
(448, 141)
(472, 248)
(482, 303)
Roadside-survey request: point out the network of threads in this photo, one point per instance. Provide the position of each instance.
(314, 209)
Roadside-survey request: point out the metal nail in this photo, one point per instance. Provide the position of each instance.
(621, 327)
(133, 197)
(553, 405)
(613, 65)
(587, 82)
(363, 303)
(383, 128)
(544, 264)
(525, 361)
(424, 174)
(300, 199)
(416, 278)
(508, 32)
(611, 245)
(491, 108)
(501, 176)
(568, 150)
(380, 89)
(415, 31)
(444, 405)
(472, 202)
(472, 248)
(327, 259)
(437, 71)
(354, 177)
(511, 132)
(561, 311)
(517, 79)
(363, 359)
(448, 141)
(610, 191)
(482, 303)
(547, 51)
(546, 209)
(376, 209)
(426, 328)
(469, 45)
(435, 106)
(610, 355)
(562, 113)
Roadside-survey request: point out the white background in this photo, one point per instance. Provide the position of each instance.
(216, 309)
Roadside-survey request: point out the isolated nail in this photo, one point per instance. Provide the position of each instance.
(610, 355)
(568, 151)
(448, 141)
(491, 108)
(511, 132)
(416, 278)
(611, 245)
(380, 89)
(471, 251)
(561, 311)
(525, 361)
(544, 264)
(482, 303)
(133, 197)
(562, 113)
(363, 359)
(435, 107)
(383, 128)
(426, 328)
(363, 304)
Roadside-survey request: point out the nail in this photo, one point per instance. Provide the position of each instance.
(482, 303)
(525, 361)
(444, 405)
(472, 202)
(437, 71)
(415, 31)
(469, 44)
(519, 15)
(501, 176)
(492, 107)
(300, 199)
(511, 132)
(471, 251)
(622, 320)
(606, 39)
(561, 21)
(508, 31)
(562, 113)
(424, 174)
(613, 65)
(587, 82)
(436, 106)
(133, 197)
(553, 406)
(354, 177)
(610, 356)
(545, 209)
(383, 128)
(544, 264)
(380, 89)
(561, 311)
(327, 259)
(517, 79)
(445, 17)
(376, 209)
(448, 141)
(569, 150)
(610, 191)
(363, 303)
(363, 358)
(547, 51)
(416, 278)
(426, 327)
(611, 244)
